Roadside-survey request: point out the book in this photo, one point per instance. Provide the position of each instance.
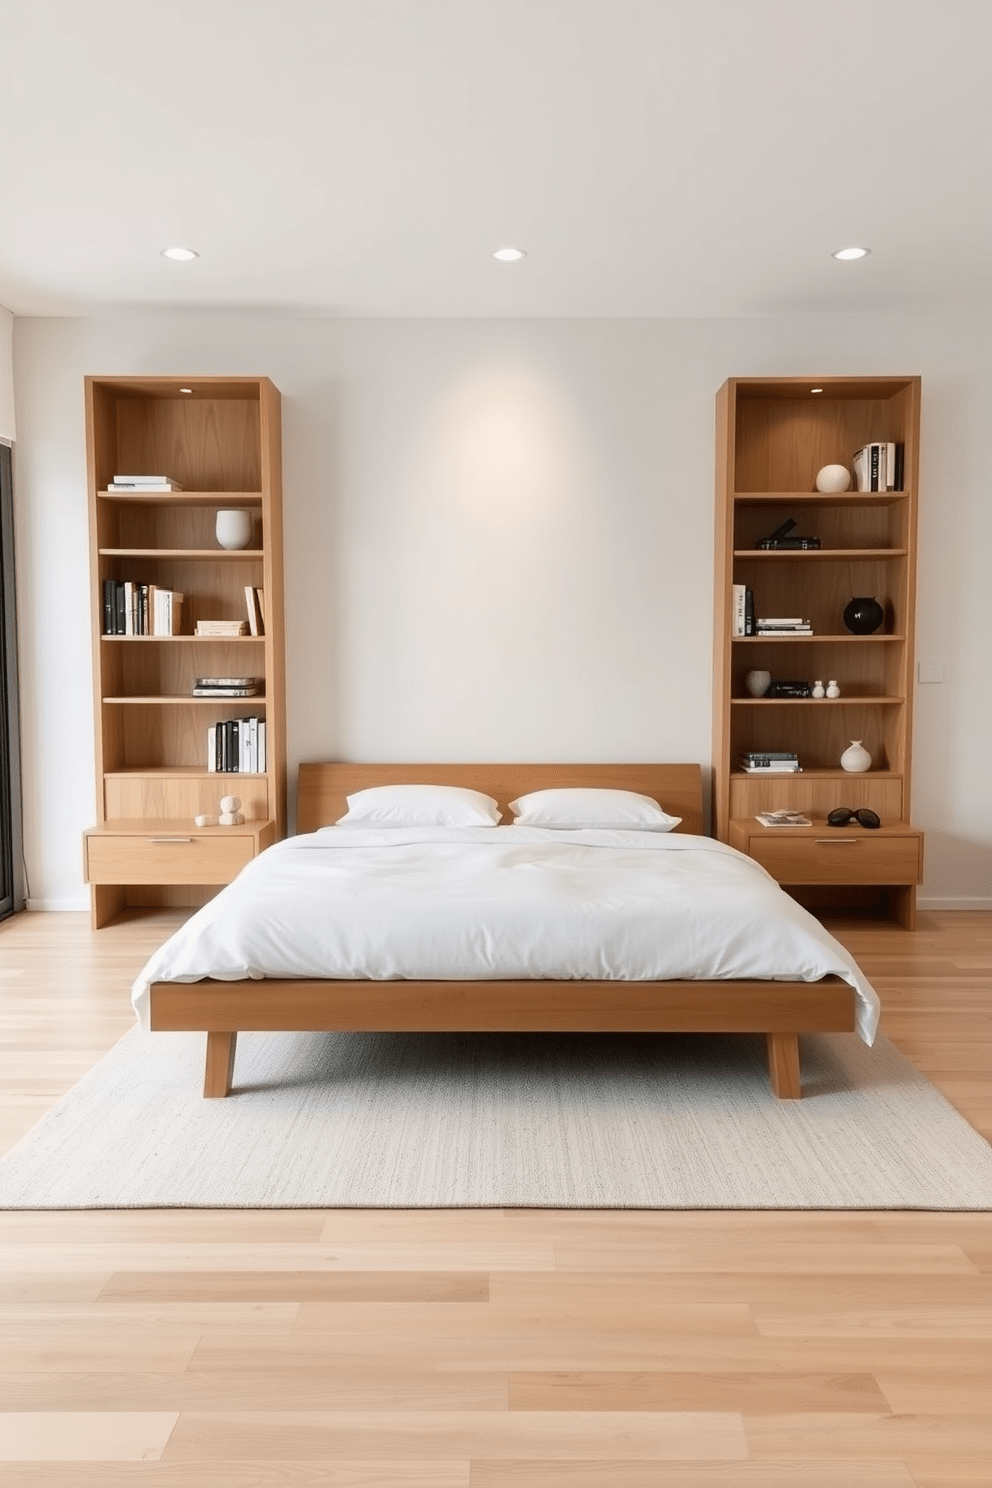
(769, 754)
(251, 601)
(777, 767)
(782, 819)
(788, 630)
(144, 483)
(737, 610)
(222, 627)
(212, 749)
(774, 620)
(749, 625)
(260, 596)
(226, 691)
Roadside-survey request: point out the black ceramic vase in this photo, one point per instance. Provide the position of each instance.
(863, 616)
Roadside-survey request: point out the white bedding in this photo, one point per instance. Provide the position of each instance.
(477, 903)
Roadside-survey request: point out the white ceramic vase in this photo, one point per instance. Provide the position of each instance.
(855, 758)
(233, 529)
(833, 478)
(758, 683)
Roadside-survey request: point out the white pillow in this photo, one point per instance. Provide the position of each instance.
(579, 806)
(420, 806)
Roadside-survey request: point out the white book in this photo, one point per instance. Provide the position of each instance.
(860, 462)
(261, 746)
(212, 749)
(253, 743)
(144, 483)
(737, 615)
(890, 466)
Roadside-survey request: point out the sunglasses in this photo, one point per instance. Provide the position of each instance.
(864, 816)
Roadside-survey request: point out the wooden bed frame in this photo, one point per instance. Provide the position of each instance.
(779, 1010)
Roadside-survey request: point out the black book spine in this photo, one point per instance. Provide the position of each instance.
(109, 608)
(218, 746)
(750, 628)
(873, 476)
(900, 457)
(121, 614)
(235, 745)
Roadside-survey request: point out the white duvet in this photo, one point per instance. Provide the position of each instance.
(457, 903)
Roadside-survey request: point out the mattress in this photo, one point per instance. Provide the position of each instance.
(478, 903)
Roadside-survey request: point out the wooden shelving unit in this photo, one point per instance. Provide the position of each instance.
(220, 438)
(773, 435)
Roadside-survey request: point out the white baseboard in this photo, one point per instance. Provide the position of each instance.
(974, 902)
(70, 904)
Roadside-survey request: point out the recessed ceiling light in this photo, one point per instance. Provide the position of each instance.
(509, 255)
(181, 255)
(185, 390)
(847, 253)
(812, 390)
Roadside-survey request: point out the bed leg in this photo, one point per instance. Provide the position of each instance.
(219, 1070)
(783, 1065)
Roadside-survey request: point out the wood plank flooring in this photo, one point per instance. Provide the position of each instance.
(491, 1348)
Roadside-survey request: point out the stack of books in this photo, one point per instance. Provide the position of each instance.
(742, 611)
(878, 466)
(236, 747)
(228, 686)
(221, 627)
(770, 762)
(124, 483)
(140, 609)
(789, 626)
(782, 819)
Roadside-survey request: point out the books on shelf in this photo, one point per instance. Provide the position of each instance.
(144, 483)
(770, 762)
(878, 466)
(786, 627)
(221, 627)
(782, 819)
(253, 601)
(777, 767)
(228, 686)
(236, 746)
(131, 609)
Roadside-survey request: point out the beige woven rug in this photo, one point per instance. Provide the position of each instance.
(462, 1120)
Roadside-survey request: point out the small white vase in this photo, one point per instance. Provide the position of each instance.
(833, 478)
(818, 690)
(855, 758)
(758, 683)
(233, 529)
(833, 690)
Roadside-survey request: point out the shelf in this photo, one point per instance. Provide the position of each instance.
(831, 640)
(819, 498)
(814, 774)
(817, 555)
(222, 499)
(228, 555)
(185, 700)
(197, 640)
(772, 702)
(177, 772)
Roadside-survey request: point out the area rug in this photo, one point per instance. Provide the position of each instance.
(618, 1121)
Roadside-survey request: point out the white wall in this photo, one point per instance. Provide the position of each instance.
(499, 542)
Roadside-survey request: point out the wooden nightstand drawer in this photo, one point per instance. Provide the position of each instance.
(172, 853)
(825, 855)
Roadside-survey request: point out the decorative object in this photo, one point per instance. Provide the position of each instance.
(818, 691)
(230, 812)
(467, 1120)
(758, 683)
(855, 758)
(863, 616)
(233, 528)
(832, 689)
(205, 821)
(833, 478)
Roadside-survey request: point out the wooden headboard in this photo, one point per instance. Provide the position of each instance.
(322, 787)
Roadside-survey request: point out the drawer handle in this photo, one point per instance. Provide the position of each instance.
(170, 839)
(837, 841)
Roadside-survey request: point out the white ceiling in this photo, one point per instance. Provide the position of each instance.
(364, 157)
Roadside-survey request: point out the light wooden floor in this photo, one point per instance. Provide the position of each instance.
(492, 1349)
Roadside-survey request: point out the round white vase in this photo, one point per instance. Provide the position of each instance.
(758, 683)
(233, 529)
(855, 758)
(833, 478)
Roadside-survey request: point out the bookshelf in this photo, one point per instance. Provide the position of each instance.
(220, 439)
(773, 435)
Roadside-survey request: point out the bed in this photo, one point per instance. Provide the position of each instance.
(780, 1003)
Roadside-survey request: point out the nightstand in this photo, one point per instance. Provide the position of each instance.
(889, 857)
(145, 851)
